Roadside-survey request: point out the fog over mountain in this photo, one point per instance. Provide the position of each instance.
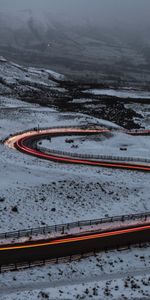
(98, 11)
(79, 36)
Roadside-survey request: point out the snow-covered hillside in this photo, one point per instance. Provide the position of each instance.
(79, 45)
(11, 72)
(35, 193)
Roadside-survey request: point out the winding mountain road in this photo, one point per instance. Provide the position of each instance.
(24, 143)
(75, 244)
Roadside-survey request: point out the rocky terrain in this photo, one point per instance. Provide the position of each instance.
(51, 89)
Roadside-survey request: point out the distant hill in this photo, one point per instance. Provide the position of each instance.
(83, 50)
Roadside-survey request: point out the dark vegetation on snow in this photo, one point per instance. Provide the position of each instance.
(73, 99)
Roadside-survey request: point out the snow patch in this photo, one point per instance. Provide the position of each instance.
(120, 93)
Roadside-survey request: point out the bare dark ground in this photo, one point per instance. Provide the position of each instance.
(74, 100)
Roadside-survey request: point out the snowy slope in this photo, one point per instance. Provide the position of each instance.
(11, 72)
(134, 94)
(47, 193)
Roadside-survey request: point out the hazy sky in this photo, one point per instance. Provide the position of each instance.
(106, 12)
(114, 8)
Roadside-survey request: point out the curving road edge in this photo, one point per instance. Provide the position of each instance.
(23, 142)
(72, 244)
